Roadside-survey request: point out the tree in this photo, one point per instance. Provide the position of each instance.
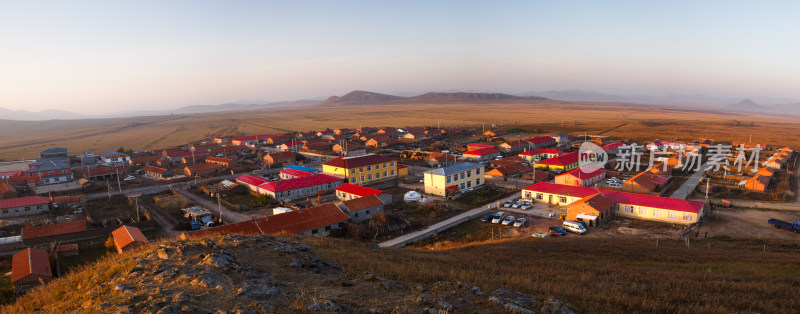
(120, 149)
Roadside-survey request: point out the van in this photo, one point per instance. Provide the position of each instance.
(574, 226)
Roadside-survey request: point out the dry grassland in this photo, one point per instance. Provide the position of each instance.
(21, 139)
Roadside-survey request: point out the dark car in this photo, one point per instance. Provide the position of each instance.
(559, 230)
(487, 217)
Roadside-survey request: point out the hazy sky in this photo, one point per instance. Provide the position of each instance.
(111, 56)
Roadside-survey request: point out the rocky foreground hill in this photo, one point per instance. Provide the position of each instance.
(255, 274)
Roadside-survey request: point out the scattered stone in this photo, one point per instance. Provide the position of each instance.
(259, 289)
(212, 280)
(324, 305)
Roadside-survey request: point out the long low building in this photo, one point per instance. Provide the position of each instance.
(632, 205)
(291, 189)
(317, 220)
(23, 206)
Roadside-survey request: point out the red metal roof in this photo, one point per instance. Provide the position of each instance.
(580, 174)
(295, 172)
(612, 145)
(23, 201)
(125, 235)
(251, 180)
(541, 139)
(228, 149)
(452, 188)
(298, 183)
(293, 143)
(563, 160)
(619, 197)
(358, 190)
(189, 154)
(482, 152)
(30, 261)
(292, 222)
(53, 230)
(16, 173)
(152, 169)
(360, 161)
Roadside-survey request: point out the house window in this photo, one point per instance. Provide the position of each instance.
(539, 196)
(361, 169)
(314, 231)
(392, 171)
(341, 224)
(356, 215)
(385, 165)
(562, 199)
(469, 184)
(448, 179)
(688, 217)
(469, 173)
(629, 209)
(477, 182)
(392, 164)
(672, 215)
(362, 179)
(462, 176)
(617, 207)
(478, 171)
(462, 186)
(378, 175)
(353, 180)
(327, 228)
(385, 173)
(656, 212)
(27, 208)
(369, 177)
(352, 171)
(369, 168)
(367, 212)
(5, 211)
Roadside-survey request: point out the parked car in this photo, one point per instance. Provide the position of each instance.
(517, 204)
(487, 217)
(614, 185)
(574, 226)
(129, 178)
(560, 231)
(508, 204)
(508, 220)
(497, 217)
(541, 235)
(519, 222)
(525, 206)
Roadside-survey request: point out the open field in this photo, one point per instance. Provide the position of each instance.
(24, 139)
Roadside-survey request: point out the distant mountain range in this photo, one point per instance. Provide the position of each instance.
(358, 97)
(363, 97)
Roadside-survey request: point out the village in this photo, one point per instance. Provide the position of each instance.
(390, 186)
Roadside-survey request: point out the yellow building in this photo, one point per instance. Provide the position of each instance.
(448, 181)
(362, 169)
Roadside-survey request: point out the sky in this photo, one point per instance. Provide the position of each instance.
(99, 57)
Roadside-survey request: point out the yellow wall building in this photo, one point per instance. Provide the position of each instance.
(362, 169)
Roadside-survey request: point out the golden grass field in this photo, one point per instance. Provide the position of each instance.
(24, 139)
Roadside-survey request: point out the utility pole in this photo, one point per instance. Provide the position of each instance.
(119, 185)
(219, 207)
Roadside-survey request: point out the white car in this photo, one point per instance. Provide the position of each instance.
(519, 222)
(508, 220)
(517, 204)
(525, 206)
(508, 204)
(497, 217)
(129, 178)
(615, 185)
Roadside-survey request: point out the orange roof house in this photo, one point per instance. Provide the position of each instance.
(28, 267)
(127, 238)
